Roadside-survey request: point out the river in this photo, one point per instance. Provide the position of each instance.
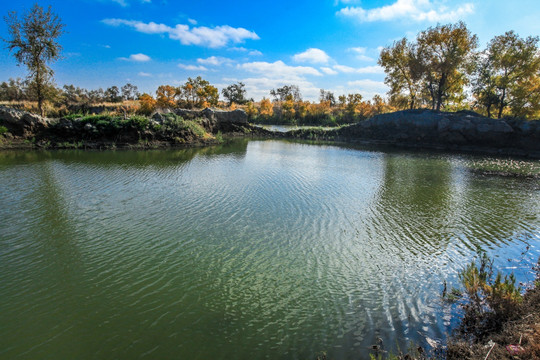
(251, 250)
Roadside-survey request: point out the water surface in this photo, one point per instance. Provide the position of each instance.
(261, 249)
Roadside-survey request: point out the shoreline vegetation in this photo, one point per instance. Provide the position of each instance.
(497, 319)
(463, 131)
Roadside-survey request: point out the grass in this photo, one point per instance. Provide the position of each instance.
(174, 124)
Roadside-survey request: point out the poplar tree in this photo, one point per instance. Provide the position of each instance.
(34, 40)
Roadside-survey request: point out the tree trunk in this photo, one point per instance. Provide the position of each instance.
(39, 93)
(501, 106)
(440, 91)
(412, 103)
(432, 94)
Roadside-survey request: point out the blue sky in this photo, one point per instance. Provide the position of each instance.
(330, 44)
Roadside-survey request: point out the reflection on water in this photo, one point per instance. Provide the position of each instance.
(257, 249)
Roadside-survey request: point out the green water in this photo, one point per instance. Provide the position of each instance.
(261, 249)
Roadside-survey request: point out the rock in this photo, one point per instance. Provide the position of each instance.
(64, 124)
(237, 116)
(494, 126)
(427, 128)
(22, 123)
(158, 118)
(88, 127)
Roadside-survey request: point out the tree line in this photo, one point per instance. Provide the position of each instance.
(443, 70)
(17, 90)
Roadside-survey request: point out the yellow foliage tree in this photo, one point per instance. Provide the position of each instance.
(302, 108)
(251, 110)
(287, 108)
(266, 108)
(166, 96)
(147, 104)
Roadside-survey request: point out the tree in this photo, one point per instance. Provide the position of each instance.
(327, 96)
(514, 63)
(112, 94)
(287, 108)
(235, 93)
(147, 103)
(282, 93)
(34, 37)
(96, 96)
(266, 108)
(445, 53)
(166, 96)
(484, 88)
(74, 95)
(379, 105)
(207, 95)
(251, 110)
(197, 93)
(130, 92)
(404, 72)
(353, 102)
(14, 90)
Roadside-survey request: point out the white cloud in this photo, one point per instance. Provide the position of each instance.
(361, 53)
(192, 67)
(277, 74)
(363, 70)
(279, 69)
(417, 10)
(238, 48)
(368, 88)
(243, 49)
(313, 56)
(215, 61)
(328, 71)
(124, 3)
(137, 57)
(144, 74)
(215, 37)
(192, 21)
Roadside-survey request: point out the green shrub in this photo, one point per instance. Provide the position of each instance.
(195, 128)
(138, 122)
(498, 293)
(3, 130)
(219, 137)
(73, 116)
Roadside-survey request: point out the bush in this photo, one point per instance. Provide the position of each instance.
(3, 130)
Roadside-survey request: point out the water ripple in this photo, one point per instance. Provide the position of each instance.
(265, 249)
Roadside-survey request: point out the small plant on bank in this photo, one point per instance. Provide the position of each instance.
(489, 301)
(219, 137)
(3, 130)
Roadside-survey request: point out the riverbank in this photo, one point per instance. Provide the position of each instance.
(518, 337)
(183, 128)
(463, 131)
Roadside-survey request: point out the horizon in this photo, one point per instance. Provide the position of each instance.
(149, 43)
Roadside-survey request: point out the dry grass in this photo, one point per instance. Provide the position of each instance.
(522, 329)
